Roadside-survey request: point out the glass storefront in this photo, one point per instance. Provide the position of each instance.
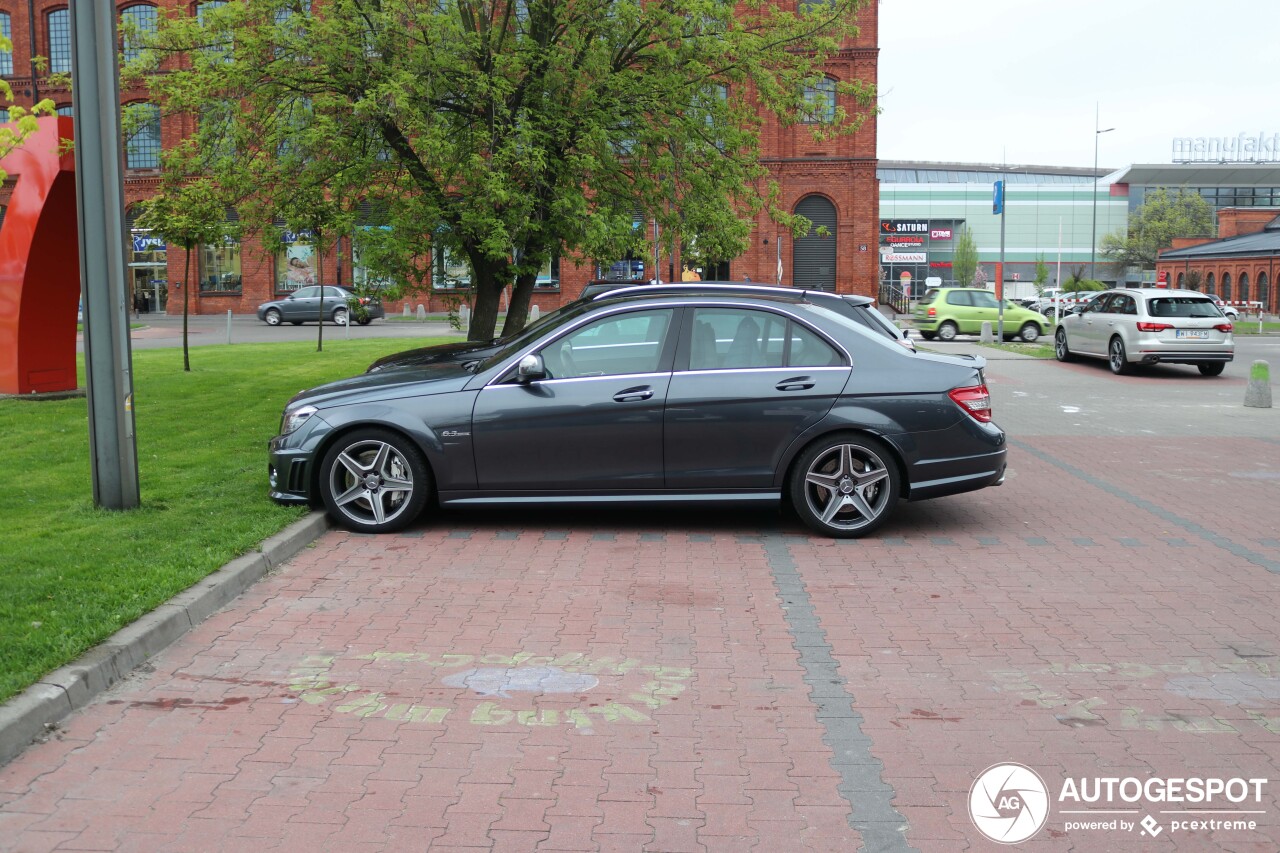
(295, 261)
(148, 272)
(220, 267)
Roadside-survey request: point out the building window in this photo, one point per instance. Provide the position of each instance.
(1226, 286)
(220, 267)
(59, 28)
(296, 261)
(4, 115)
(1244, 287)
(449, 268)
(1264, 290)
(1211, 284)
(66, 110)
(6, 56)
(820, 102)
(142, 148)
(222, 50)
(136, 24)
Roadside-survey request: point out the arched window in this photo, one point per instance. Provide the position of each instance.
(142, 147)
(136, 23)
(1182, 278)
(1243, 287)
(66, 110)
(1264, 290)
(6, 56)
(58, 24)
(1210, 286)
(820, 101)
(1226, 287)
(814, 260)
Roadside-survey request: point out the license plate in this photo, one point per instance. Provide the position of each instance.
(1191, 334)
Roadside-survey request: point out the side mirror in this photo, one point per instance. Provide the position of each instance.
(530, 369)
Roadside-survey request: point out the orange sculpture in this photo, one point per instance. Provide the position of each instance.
(39, 265)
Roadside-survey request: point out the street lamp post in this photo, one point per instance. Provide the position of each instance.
(1093, 232)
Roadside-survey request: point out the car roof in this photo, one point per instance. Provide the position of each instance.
(725, 288)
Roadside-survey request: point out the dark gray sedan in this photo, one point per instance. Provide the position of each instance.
(652, 398)
(304, 306)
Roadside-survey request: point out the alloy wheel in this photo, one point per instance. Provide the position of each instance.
(371, 482)
(847, 487)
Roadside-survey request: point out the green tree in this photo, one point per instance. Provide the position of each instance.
(509, 132)
(1042, 275)
(965, 261)
(1193, 280)
(1153, 226)
(187, 214)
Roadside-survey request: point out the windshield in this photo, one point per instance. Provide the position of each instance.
(513, 344)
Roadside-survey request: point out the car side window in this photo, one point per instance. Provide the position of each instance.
(984, 300)
(1124, 305)
(959, 297)
(806, 349)
(1098, 305)
(736, 338)
(306, 293)
(611, 346)
(334, 293)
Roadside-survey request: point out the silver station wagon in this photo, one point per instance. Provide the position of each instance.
(1149, 326)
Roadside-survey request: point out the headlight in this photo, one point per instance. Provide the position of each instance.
(294, 418)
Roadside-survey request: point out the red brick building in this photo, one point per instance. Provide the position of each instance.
(832, 183)
(1240, 266)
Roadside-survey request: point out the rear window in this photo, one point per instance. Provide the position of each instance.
(1182, 306)
(929, 295)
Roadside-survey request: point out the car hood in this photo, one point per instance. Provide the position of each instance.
(415, 381)
(458, 351)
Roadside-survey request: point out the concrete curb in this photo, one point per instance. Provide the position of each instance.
(34, 712)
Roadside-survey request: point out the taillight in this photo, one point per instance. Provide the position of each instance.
(1223, 327)
(1153, 327)
(932, 312)
(976, 400)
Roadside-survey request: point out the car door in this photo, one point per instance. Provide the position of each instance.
(1092, 335)
(595, 423)
(748, 381)
(986, 309)
(302, 304)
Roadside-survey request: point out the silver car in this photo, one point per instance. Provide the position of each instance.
(1147, 326)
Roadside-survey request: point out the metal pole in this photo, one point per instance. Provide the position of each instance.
(1093, 231)
(1000, 266)
(228, 325)
(100, 203)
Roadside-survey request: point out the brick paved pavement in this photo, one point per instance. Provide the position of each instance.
(678, 682)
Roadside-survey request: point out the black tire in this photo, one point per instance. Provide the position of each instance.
(845, 485)
(296, 322)
(1117, 359)
(948, 331)
(272, 317)
(1061, 350)
(1213, 368)
(1029, 332)
(340, 317)
(354, 474)
(928, 336)
(364, 321)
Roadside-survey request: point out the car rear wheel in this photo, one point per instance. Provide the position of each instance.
(272, 317)
(1061, 350)
(1117, 358)
(1029, 332)
(947, 331)
(340, 317)
(928, 336)
(845, 486)
(1213, 368)
(374, 481)
(364, 321)
(296, 322)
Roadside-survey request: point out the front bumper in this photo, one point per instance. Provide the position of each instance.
(290, 461)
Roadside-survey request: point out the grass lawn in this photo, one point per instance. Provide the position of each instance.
(1038, 350)
(72, 574)
(1250, 327)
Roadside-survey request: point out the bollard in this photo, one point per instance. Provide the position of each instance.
(1257, 394)
(408, 312)
(986, 337)
(464, 317)
(422, 313)
(534, 313)
(228, 325)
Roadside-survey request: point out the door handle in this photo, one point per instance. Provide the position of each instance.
(795, 383)
(633, 395)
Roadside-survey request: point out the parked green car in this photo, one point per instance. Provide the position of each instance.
(945, 312)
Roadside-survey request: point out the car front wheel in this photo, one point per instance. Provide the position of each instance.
(1117, 358)
(947, 331)
(1029, 332)
(1061, 350)
(845, 486)
(374, 481)
(272, 317)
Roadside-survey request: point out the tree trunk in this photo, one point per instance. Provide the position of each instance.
(186, 302)
(488, 279)
(518, 311)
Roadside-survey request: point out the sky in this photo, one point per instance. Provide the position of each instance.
(1017, 81)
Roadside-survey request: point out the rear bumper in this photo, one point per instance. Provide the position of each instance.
(1184, 357)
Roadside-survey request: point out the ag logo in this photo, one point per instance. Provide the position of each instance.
(1008, 803)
